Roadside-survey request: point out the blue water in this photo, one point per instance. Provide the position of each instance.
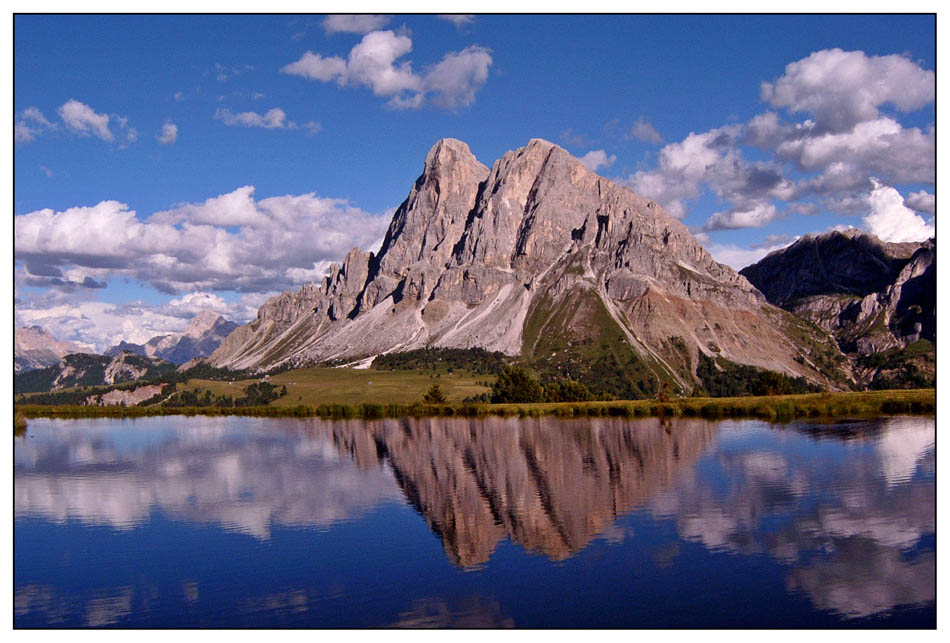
(252, 522)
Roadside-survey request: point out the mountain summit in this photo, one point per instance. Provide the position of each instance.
(539, 257)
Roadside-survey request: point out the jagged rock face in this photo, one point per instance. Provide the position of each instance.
(869, 294)
(474, 257)
(34, 348)
(204, 334)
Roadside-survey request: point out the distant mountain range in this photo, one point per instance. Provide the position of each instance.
(42, 363)
(537, 257)
(200, 339)
(34, 348)
(83, 369)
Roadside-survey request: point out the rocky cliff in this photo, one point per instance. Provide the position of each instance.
(874, 297)
(534, 257)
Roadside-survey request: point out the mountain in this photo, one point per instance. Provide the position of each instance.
(200, 339)
(92, 370)
(542, 258)
(34, 348)
(878, 299)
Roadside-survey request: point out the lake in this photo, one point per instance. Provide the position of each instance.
(258, 522)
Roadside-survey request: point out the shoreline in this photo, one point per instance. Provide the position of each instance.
(774, 407)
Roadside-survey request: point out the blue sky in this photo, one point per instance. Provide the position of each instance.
(167, 164)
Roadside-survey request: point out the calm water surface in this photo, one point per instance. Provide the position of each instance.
(237, 522)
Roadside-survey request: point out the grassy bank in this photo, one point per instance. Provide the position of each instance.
(776, 407)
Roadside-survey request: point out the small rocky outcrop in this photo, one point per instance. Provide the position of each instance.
(130, 397)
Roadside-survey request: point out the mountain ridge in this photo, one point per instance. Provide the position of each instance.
(475, 256)
(877, 299)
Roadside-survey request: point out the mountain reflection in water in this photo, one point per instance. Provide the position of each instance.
(847, 512)
(551, 486)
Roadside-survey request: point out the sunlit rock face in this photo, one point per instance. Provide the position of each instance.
(474, 254)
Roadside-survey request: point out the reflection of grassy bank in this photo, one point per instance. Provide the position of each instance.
(19, 425)
(777, 407)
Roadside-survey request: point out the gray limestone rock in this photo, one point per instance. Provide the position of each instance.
(472, 253)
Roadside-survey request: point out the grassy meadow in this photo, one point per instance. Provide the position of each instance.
(350, 386)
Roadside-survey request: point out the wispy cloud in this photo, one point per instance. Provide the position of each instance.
(459, 19)
(29, 124)
(169, 133)
(274, 118)
(358, 24)
(644, 131)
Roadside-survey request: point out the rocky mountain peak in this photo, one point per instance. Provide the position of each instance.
(203, 322)
(536, 252)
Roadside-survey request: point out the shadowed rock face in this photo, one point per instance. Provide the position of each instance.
(872, 296)
(473, 255)
(552, 487)
(851, 262)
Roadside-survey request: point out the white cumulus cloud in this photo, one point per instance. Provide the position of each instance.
(756, 216)
(316, 67)
(596, 159)
(454, 81)
(228, 242)
(843, 88)
(376, 63)
(82, 119)
(890, 220)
